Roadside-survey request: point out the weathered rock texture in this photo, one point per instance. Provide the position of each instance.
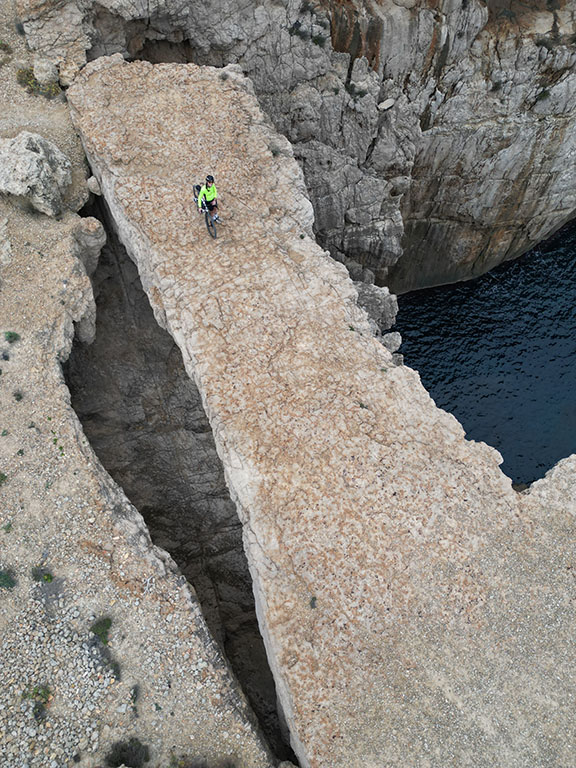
(450, 122)
(72, 548)
(144, 418)
(415, 609)
(35, 170)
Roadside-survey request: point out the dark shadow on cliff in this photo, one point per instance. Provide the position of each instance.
(144, 419)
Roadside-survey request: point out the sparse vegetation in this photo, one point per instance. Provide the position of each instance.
(4, 432)
(544, 94)
(7, 580)
(356, 93)
(5, 47)
(3, 478)
(41, 574)
(7, 527)
(100, 628)
(11, 336)
(18, 395)
(318, 40)
(224, 76)
(313, 601)
(26, 79)
(131, 753)
(41, 695)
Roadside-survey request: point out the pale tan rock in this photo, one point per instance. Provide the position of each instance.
(60, 510)
(415, 609)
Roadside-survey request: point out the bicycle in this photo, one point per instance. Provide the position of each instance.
(210, 223)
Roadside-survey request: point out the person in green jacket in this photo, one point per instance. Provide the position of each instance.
(209, 193)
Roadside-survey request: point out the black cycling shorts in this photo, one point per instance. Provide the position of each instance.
(210, 204)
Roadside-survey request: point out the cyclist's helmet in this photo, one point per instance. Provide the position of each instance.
(209, 179)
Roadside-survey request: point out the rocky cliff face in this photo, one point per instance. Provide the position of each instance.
(412, 604)
(437, 138)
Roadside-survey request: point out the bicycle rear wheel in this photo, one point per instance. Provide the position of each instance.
(210, 225)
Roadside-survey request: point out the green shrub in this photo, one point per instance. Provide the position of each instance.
(100, 628)
(7, 580)
(41, 574)
(3, 478)
(11, 336)
(25, 78)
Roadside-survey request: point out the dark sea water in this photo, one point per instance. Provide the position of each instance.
(499, 353)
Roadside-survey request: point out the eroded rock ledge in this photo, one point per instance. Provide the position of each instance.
(416, 610)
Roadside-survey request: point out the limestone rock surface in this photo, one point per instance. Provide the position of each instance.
(415, 609)
(73, 550)
(437, 139)
(33, 168)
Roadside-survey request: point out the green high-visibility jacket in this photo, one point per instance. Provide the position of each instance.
(209, 194)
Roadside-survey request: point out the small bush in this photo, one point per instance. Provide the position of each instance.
(19, 27)
(41, 695)
(101, 628)
(319, 40)
(356, 93)
(544, 94)
(545, 42)
(11, 336)
(41, 574)
(7, 527)
(18, 395)
(5, 48)
(224, 76)
(3, 478)
(25, 78)
(131, 753)
(7, 580)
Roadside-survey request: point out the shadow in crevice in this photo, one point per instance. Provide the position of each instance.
(144, 419)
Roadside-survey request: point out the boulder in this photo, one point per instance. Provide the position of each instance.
(34, 169)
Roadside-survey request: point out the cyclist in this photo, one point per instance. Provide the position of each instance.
(210, 195)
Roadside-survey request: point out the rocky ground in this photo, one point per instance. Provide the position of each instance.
(105, 655)
(412, 603)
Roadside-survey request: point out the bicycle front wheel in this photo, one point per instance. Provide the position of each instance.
(210, 225)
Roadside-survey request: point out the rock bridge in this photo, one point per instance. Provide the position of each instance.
(416, 610)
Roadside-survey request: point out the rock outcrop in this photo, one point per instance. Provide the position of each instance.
(35, 170)
(415, 609)
(104, 650)
(437, 139)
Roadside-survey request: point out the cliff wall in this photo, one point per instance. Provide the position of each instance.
(437, 137)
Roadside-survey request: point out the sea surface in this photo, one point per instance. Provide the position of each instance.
(499, 352)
